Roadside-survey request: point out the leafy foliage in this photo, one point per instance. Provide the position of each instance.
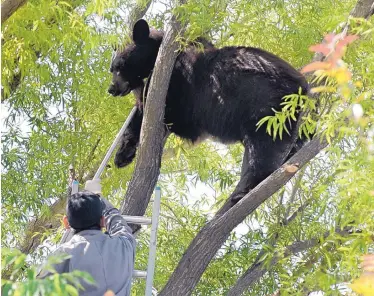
(56, 284)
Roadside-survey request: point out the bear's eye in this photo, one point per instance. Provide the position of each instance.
(118, 72)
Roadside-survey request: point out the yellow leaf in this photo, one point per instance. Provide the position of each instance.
(364, 285)
(359, 84)
(327, 89)
(345, 91)
(360, 98)
(343, 75)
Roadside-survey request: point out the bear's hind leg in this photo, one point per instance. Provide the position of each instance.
(262, 157)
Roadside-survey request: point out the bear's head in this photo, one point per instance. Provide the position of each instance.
(130, 66)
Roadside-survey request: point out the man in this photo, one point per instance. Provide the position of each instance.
(109, 258)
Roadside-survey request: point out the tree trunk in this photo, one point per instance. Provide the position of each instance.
(137, 12)
(8, 7)
(153, 133)
(363, 9)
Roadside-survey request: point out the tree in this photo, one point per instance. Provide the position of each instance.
(319, 222)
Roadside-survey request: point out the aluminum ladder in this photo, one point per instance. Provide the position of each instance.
(139, 220)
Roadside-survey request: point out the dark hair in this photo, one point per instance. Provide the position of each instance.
(84, 211)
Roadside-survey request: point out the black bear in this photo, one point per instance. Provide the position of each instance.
(221, 93)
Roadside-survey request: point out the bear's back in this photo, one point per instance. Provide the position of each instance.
(240, 60)
(234, 85)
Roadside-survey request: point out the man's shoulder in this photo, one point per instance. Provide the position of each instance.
(68, 246)
(81, 239)
(87, 237)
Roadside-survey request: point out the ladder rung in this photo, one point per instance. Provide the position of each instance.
(138, 220)
(139, 274)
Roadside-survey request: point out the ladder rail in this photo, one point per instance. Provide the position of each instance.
(140, 274)
(140, 220)
(153, 241)
(114, 144)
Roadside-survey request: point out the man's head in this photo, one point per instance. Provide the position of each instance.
(84, 210)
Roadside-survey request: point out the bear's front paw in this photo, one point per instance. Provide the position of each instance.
(124, 157)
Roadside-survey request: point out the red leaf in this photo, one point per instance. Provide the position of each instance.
(329, 37)
(339, 49)
(316, 66)
(344, 42)
(323, 48)
(350, 38)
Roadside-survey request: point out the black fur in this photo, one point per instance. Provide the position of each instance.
(218, 92)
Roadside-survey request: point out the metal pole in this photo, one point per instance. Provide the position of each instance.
(116, 140)
(68, 233)
(153, 240)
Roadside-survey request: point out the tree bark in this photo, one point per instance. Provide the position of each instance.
(363, 9)
(8, 7)
(211, 237)
(153, 133)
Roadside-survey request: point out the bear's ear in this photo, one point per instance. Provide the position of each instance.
(140, 32)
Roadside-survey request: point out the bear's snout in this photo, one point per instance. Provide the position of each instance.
(119, 88)
(111, 89)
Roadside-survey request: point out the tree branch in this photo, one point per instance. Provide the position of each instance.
(138, 11)
(46, 221)
(295, 189)
(363, 9)
(8, 7)
(273, 240)
(205, 245)
(258, 269)
(211, 237)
